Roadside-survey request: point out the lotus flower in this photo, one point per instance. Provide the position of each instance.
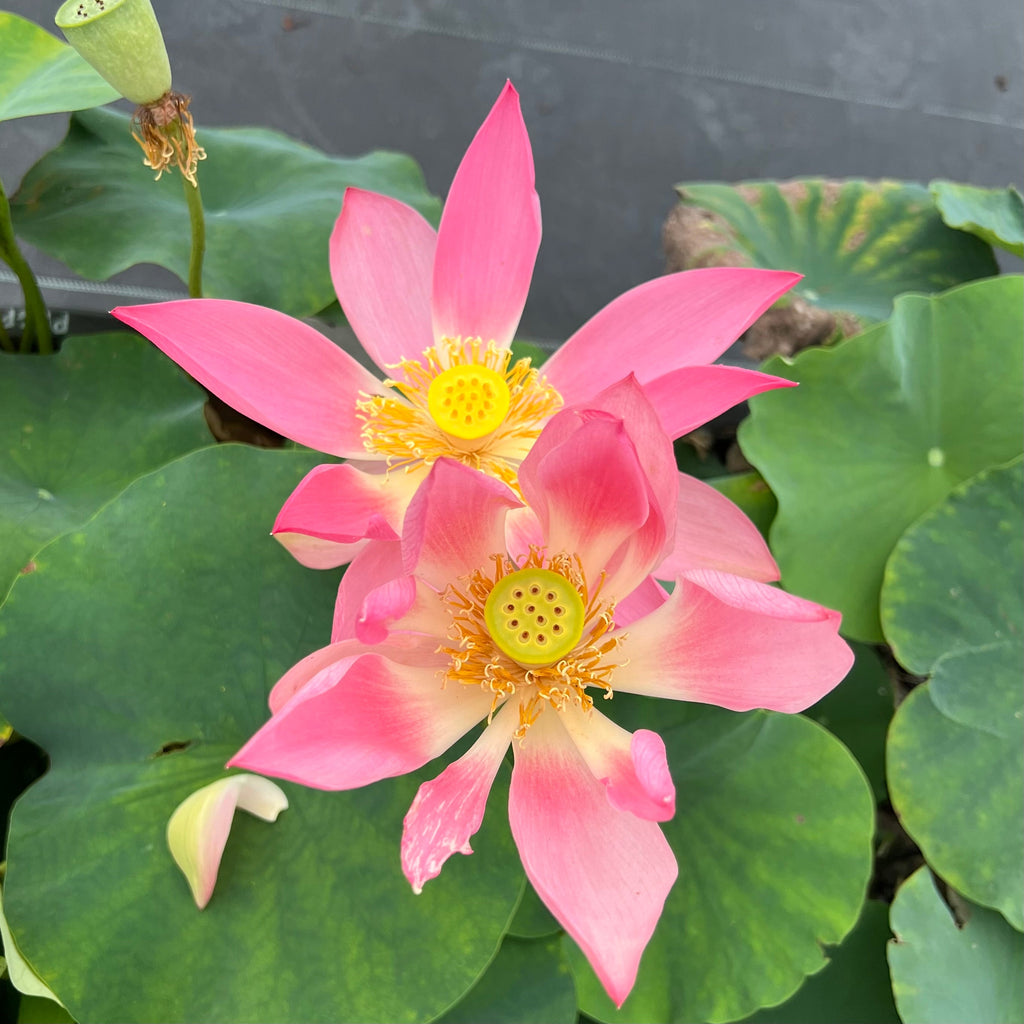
(516, 615)
(436, 312)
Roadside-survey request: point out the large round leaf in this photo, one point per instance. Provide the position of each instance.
(772, 831)
(270, 204)
(41, 75)
(994, 214)
(858, 244)
(882, 427)
(77, 427)
(952, 607)
(139, 655)
(942, 973)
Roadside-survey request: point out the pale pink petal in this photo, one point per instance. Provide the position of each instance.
(338, 505)
(632, 767)
(683, 319)
(603, 873)
(490, 232)
(691, 396)
(713, 533)
(380, 719)
(448, 810)
(197, 831)
(648, 596)
(374, 591)
(522, 531)
(269, 366)
(590, 494)
(455, 523)
(382, 262)
(737, 643)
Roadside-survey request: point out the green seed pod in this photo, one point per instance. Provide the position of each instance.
(121, 40)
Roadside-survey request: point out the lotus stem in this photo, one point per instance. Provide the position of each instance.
(37, 320)
(198, 223)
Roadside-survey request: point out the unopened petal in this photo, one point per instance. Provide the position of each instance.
(198, 829)
(490, 232)
(684, 319)
(269, 366)
(737, 643)
(382, 260)
(448, 810)
(602, 872)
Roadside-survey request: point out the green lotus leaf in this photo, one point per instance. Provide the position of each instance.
(773, 858)
(882, 427)
(952, 608)
(146, 644)
(270, 203)
(39, 74)
(852, 988)
(993, 214)
(528, 982)
(533, 920)
(858, 244)
(942, 973)
(77, 427)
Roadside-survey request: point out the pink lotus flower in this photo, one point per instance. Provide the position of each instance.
(489, 610)
(437, 313)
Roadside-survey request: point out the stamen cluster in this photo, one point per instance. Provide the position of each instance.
(476, 659)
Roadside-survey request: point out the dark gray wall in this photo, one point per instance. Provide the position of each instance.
(622, 98)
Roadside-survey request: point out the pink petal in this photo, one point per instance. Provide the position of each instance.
(692, 395)
(648, 596)
(740, 644)
(455, 523)
(683, 319)
(522, 531)
(603, 873)
(590, 494)
(490, 232)
(382, 262)
(339, 505)
(448, 811)
(713, 533)
(633, 768)
(379, 719)
(374, 591)
(271, 367)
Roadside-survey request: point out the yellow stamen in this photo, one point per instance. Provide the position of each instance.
(479, 653)
(406, 429)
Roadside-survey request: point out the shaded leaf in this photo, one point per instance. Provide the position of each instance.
(270, 203)
(883, 426)
(192, 612)
(995, 215)
(941, 973)
(858, 244)
(77, 427)
(952, 607)
(39, 74)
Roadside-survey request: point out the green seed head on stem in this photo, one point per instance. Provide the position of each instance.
(122, 41)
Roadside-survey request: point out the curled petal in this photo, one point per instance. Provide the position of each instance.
(490, 232)
(335, 507)
(271, 367)
(713, 533)
(689, 397)
(648, 596)
(448, 810)
(737, 643)
(382, 262)
(373, 568)
(198, 829)
(454, 523)
(379, 719)
(603, 873)
(683, 319)
(633, 768)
